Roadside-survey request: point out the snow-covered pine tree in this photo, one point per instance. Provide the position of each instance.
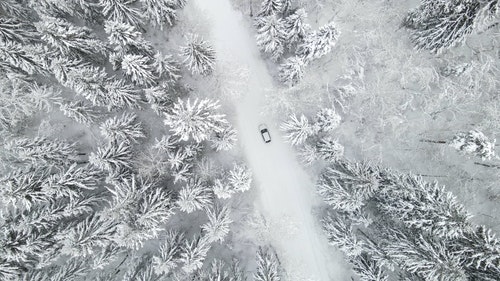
(167, 67)
(141, 208)
(217, 227)
(368, 269)
(8, 270)
(16, 30)
(159, 12)
(69, 39)
(268, 265)
(41, 150)
(22, 58)
(474, 143)
(14, 8)
(271, 7)
(167, 259)
(160, 99)
(139, 69)
(79, 111)
(422, 205)
(127, 39)
(297, 130)
(224, 139)
(194, 196)
(480, 252)
(85, 79)
(54, 8)
(112, 158)
(121, 11)
(71, 182)
(291, 71)
(121, 94)
(199, 55)
(125, 128)
(329, 149)
(296, 27)
(326, 120)
(340, 234)
(318, 43)
(439, 25)
(20, 100)
(240, 178)
(271, 36)
(193, 253)
(87, 236)
(308, 154)
(424, 256)
(21, 188)
(197, 119)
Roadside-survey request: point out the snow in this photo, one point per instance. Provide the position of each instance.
(287, 194)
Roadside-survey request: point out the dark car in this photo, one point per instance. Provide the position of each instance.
(264, 132)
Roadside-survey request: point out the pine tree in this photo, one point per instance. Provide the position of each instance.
(126, 39)
(291, 71)
(426, 257)
(167, 259)
(8, 271)
(474, 143)
(268, 265)
(326, 120)
(81, 240)
(425, 206)
(329, 149)
(121, 11)
(193, 253)
(271, 7)
(22, 59)
(195, 120)
(295, 27)
(167, 67)
(297, 131)
(139, 69)
(41, 150)
(199, 55)
(439, 25)
(488, 15)
(194, 196)
(83, 78)
(318, 43)
(68, 39)
(368, 269)
(240, 178)
(13, 8)
(271, 36)
(71, 182)
(113, 157)
(160, 12)
(121, 95)
(340, 234)
(217, 227)
(125, 128)
(18, 31)
(53, 8)
(224, 140)
(23, 188)
(80, 112)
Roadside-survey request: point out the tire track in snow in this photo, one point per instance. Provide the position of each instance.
(287, 194)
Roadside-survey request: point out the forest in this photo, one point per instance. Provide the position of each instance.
(130, 144)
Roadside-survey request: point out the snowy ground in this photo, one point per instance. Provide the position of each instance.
(287, 194)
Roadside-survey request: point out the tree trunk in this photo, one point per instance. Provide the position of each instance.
(434, 141)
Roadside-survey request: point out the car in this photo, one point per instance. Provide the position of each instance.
(264, 132)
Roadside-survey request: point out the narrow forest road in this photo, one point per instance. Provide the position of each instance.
(287, 194)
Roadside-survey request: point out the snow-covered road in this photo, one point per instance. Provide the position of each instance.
(286, 192)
